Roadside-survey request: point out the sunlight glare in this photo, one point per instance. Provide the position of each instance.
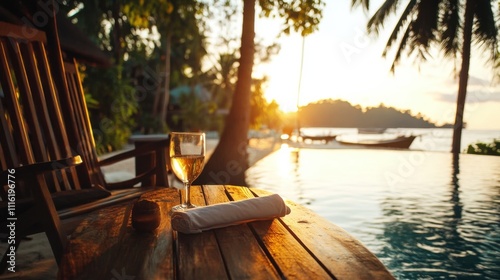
(286, 160)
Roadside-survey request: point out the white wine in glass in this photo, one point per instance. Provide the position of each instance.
(187, 158)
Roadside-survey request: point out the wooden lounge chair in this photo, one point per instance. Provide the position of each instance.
(46, 142)
(25, 216)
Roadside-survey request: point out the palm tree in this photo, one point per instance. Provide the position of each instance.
(451, 25)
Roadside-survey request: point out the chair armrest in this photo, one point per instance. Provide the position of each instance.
(29, 171)
(142, 150)
(41, 167)
(150, 172)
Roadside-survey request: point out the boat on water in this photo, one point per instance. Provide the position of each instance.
(400, 142)
(322, 138)
(371, 130)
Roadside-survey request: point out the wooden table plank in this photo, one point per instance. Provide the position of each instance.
(91, 247)
(242, 253)
(293, 260)
(198, 254)
(341, 253)
(159, 262)
(109, 248)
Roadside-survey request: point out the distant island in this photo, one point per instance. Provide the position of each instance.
(340, 113)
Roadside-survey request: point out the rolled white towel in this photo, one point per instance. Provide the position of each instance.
(230, 213)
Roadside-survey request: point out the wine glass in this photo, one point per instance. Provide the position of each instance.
(187, 158)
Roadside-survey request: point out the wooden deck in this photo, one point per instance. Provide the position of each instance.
(301, 245)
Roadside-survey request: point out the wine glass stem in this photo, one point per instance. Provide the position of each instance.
(186, 198)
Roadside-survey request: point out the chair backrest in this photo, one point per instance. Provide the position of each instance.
(33, 127)
(79, 120)
(44, 115)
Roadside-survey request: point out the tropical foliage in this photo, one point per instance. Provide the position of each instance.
(454, 26)
(480, 148)
(197, 115)
(143, 38)
(262, 112)
(111, 115)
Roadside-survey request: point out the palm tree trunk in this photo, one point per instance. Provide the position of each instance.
(464, 76)
(166, 90)
(162, 96)
(117, 33)
(228, 163)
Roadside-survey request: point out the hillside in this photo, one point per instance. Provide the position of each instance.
(339, 113)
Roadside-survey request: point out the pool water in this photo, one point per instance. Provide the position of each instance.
(422, 215)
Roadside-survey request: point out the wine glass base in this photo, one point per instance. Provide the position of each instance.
(182, 207)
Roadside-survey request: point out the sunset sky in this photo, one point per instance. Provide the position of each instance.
(342, 62)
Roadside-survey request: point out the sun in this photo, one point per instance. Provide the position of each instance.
(286, 107)
(282, 87)
(287, 102)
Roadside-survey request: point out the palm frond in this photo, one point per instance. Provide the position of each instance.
(364, 3)
(376, 22)
(402, 23)
(450, 27)
(426, 23)
(402, 46)
(424, 27)
(485, 30)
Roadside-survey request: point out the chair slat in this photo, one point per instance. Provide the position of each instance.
(6, 140)
(18, 131)
(26, 99)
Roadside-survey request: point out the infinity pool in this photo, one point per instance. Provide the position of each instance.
(422, 215)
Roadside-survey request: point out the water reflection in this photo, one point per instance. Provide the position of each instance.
(288, 166)
(432, 238)
(455, 197)
(441, 219)
(295, 160)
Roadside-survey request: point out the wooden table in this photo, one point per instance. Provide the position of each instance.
(301, 245)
